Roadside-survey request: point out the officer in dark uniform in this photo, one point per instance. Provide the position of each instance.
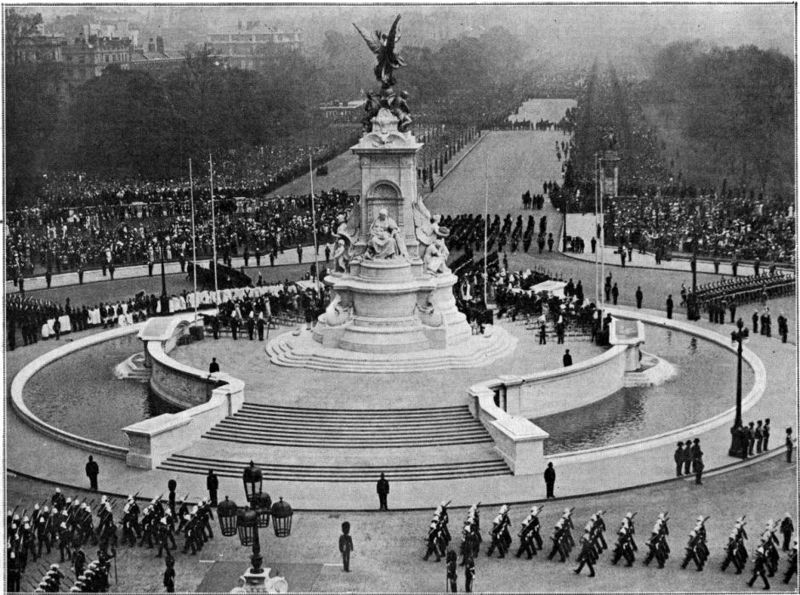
(382, 487)
(550, 479)
(678, 459)
(670, 306)
(452, 575)
(212, 484)
(169, 573)
(469, 574)
(260, 324)
(92, 471)
(639, 297)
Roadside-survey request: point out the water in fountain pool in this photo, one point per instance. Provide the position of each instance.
(705, 385)
(80, 394)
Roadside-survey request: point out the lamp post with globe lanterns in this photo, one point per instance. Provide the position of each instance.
(738, 446)
(246, 521)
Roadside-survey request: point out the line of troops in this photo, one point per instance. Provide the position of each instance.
(68, 524)
(592, 543)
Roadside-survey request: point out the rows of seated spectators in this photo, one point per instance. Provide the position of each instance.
(734, 226)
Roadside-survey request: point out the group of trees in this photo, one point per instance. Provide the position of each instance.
(737, 104)
(728, 113)
(132, 122)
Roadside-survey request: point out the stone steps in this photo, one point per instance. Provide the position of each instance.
(133, 368)
(326, 428)
(344, 473)
(296, 351)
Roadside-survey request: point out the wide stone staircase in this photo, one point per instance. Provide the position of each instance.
(352, 428)
(348, 445)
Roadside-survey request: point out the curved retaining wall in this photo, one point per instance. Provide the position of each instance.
(513, 434)
(692, 431)
(24, 375)
(205, 399)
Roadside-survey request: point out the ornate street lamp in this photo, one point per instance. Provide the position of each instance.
(246, 521)
(262, 504)
(282, 518)
(252, 480)
(738, 446)
(227, 513)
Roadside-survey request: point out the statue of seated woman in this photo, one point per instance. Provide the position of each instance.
(385, 240)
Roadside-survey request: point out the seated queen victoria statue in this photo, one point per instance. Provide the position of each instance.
(385, 240)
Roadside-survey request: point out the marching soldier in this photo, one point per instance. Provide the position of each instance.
(587, 555)
(596, 533)
(657, 545)
(732, 554)
(558, 541)
(499, 531)
(759, 567)
(526, 542)
(693, 551)
(433, 542)
(623, 548)
(163, 536)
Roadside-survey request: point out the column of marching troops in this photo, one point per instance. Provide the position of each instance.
(69, 525)
(592, 543)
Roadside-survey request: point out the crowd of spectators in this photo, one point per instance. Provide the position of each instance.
(733, 226)
(65, 239)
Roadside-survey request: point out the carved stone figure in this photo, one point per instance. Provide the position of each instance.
(385, 240)
(427, 312)
(425, 225)
(342, 254)
(338, 311)
(436, 253)
(382, 45)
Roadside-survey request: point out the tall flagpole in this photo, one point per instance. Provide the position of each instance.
(314, 221)
(486, 233)
(594, 231)
(194, 241)
(602, 246)
(213, 230)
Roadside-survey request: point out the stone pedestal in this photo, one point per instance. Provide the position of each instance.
(390, 305)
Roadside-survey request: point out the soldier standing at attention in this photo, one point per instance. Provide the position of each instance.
(678, 459)
(212, 484)
(789, 445)
(169, 574)
(92, 471)
(345, 545)
(670, 306)
(383, 491)
(452, 576)
(550, 479)
(469, 574)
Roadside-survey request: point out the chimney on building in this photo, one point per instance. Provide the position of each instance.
(151, 47)
(160, 44)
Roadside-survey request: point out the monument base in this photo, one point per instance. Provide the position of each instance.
(303, 351)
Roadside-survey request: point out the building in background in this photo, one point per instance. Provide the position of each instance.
(252, 45)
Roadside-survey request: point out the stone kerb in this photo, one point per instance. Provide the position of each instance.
(24, 375)
(690, 431)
